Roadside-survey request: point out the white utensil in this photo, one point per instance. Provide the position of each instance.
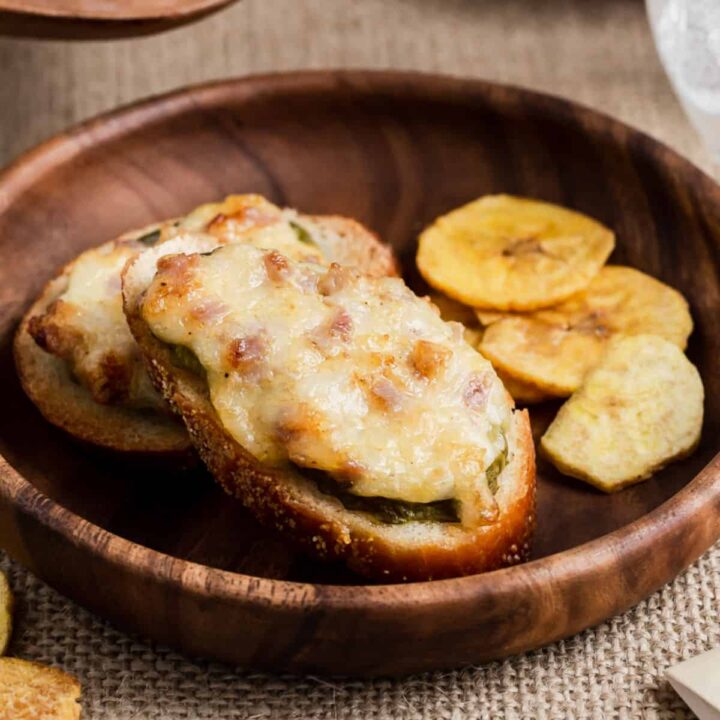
(697, 682)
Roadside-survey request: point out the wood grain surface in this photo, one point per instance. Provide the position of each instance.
(98, 19)
(151, 551)
(599, 53)
(109, 9)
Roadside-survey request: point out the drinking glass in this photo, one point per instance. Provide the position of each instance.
(687, 36)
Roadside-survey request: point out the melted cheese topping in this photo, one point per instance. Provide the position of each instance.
(336, 371)
(90, 332)
(94, 291)
(89, 326)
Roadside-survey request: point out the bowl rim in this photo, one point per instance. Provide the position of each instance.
(584, 560)
(149, 12)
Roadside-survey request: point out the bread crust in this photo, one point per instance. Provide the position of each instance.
(349, 242)
(291, 503)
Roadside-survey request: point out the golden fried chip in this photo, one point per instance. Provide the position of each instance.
(6, 608)
(488, 317)
(509, 253)
(452, 310)
(29, 691)
(639, 409)
(523, 393)
(553, 349)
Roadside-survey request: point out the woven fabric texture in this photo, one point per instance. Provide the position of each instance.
(615, 670)
(598, 52)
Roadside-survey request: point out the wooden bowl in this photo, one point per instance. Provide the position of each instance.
(86, 19)
(169, 556)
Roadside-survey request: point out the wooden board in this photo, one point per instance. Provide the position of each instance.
(80, 19)
(168, 555)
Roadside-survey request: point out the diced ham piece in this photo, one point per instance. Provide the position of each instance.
(276, 266)
(208, 310)
(338, 329)
(387, 393)
(475, 395)
(246, 354)
(176, 266)
(428, 358)
(341, 325)
(334, 280)
(243, 219)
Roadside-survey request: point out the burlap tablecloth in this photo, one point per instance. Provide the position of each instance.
(595, 51)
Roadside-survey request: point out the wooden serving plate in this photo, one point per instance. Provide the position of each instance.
(170, 557)
(80, 19)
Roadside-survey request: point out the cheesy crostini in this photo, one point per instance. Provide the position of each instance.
(74, 352)
(339, 408)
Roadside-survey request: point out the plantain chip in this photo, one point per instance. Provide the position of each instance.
(29, 691)
(6, 609)
(473, 336)
(452, 310)
(488, 317)
(639, 409)
(554, 348)
(522, 392)
(508, 253)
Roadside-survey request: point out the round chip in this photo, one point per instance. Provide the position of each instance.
(6, 608)
(452, 310)
(511, 253)
(488, 317)
(30, 691)
(638, 410)
(522, 392)
(553, 349)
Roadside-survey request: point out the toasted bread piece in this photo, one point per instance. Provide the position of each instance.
(111, 404)
(292, 501)
(30, 691)
(348, 242)
(65, 403)
(6, 611)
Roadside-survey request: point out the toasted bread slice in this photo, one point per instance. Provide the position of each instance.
(291, 499)
(30, 691)
(65, 403)
(93, 408)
